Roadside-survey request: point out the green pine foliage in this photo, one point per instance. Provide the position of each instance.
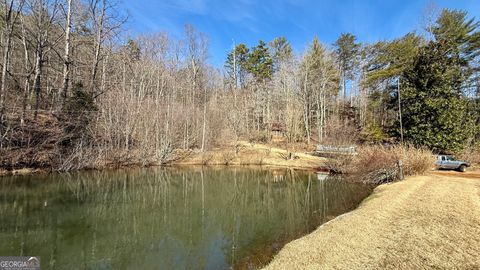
(391, 58)
(236, 65)
(260, 62)
(438, 108)
(347, 50)
(372, 134)
(434, 109)
(281, 51)
(80, 102)
(256, 62)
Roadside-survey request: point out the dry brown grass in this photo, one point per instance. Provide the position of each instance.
(471, 155)
(245, 153)
(425, 222)
(372, 159)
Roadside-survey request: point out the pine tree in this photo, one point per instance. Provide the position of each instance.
(319, 82)
(435, 106)
(236, 65)
(260, 62)
(389, 59)
(281, 51)
(347, 50)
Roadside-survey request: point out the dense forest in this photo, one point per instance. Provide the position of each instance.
(76, 89)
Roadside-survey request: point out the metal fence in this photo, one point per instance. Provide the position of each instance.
(328, 149)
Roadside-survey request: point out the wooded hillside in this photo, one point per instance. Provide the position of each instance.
(77, 92)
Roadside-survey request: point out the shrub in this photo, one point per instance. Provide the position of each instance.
(78, 112)
(471, 154)
(80, 103)
(372, 133)
(379, 164)
(259, 137)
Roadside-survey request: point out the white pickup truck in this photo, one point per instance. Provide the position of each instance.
(448, 162)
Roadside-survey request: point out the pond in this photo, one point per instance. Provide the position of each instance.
(166, 218)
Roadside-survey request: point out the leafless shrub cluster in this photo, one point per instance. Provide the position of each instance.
(379, 161)
(227, 157)
(471, 154)
(206, 158)
(259, 137)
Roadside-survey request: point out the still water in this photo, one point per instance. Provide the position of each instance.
(195, 218)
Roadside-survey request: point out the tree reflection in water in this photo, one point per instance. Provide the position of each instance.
(193, 218)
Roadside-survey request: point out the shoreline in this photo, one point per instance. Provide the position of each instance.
(430, 221)
(242, 155)
(33, 171)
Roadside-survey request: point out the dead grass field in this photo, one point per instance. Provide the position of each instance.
(424, 222)
(245, 153)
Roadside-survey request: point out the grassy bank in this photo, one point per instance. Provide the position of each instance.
(245, 153)
(425, 222)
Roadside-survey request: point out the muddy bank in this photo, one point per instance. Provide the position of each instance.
(425, 222)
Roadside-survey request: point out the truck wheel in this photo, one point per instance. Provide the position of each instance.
(462, 168)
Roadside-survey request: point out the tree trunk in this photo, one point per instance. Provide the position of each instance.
(319, 117)
(37, 85)
(66, 59)
(26, 87)
(97, 49)
(10, 17)
(204, 119)
(6, 55)
(306, 109)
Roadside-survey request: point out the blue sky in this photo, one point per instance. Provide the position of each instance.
(247, 21)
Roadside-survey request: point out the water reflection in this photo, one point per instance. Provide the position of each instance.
(165, 218)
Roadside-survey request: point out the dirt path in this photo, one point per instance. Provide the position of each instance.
(468, 174)
(425, 222)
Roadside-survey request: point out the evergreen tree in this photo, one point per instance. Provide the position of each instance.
(347, 50)
(385, 64)
(436, 110)
(260, 62)
(319, 83)
(236, 65)
(132, 50)
(458, 34)
(389, 59)
(321, 67)
(281, 51)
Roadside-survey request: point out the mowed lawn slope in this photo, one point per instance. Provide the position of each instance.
(424, 222)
